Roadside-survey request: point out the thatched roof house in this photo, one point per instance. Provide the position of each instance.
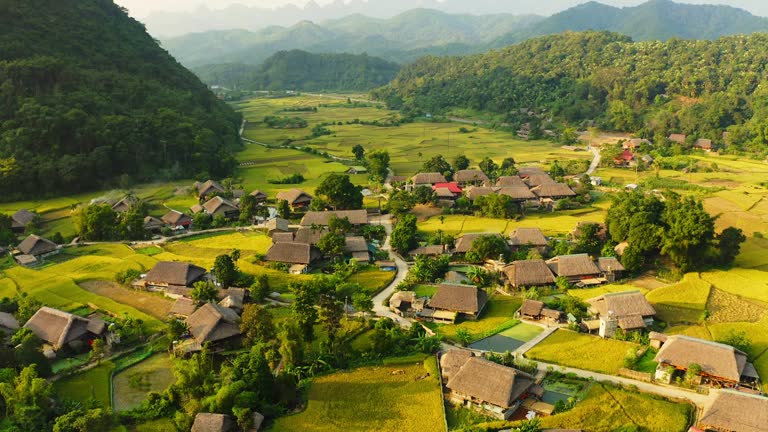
(539, 179)
(609, 264)
(307, 235)
(529, 273)
(21, 219)
(731, 410)
(473, 192)
(323, 218)
(535, 310)
(167, 273)
(430, 250)
(220, 206)
(465, 299)
(59, 328)
(176, 218)
(703, 144)
(471, 176)
(678, 138)
(259, 196)
(464, 243)
(528, 237)
(527, 171)
(36, 246)
(212, 323)
(717, 360)
(296, 198)
(427, 179)
(208, 422)
(8, 321)
(510, 181)
(282, 237)
(573, 266)
(125, 204)
(406, 303)
(553, 191)
(452, 360)
(152, 223)
(485, 382)
(355, 244)
(629, 308)
(277, 224)
(517, 193)
(293, 253)
(208, 187)
(183, 307)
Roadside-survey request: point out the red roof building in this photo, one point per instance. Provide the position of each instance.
(451, 186)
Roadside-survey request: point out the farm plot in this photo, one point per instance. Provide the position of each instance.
(508, 340)
(607, 408)
(588, 293)
(91, 384)
(752, 284)
(683, 302)
(567, 348)
(132, 385)
(372, 398)
(496, 317)
(155, 305)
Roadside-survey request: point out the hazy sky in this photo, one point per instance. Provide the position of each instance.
(141, 8)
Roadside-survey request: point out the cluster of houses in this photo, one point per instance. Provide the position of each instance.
(297, 246)
(33, 250)
(532, 187)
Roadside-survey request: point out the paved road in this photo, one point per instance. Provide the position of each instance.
(402, 271)
(595, 161)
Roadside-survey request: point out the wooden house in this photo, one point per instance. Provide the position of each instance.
(447, 190)
(510, 181)
(357, 248)
(610, 268)
(528, 237)
(625, 158)
(357, 169)
(427, 179)
(212, 323)
(678, 138)
(183, 307)
(721, 365)
(171, 274)
(491, 388)
(429, 250)
(527, 273)
(406, 303)
(220, 206)
(153, 224)
(534, 180)
(60, 329)
(125, 204)
(209, 422)
(452, 360)
(309, 235)
(464, 243)
(176, 219)
(34, 249)
(208, 188)
(526, 171)
(553, 191)
(323, 218)
(259, 196)
(579, 269)
(535, 310)
(21, 219)
(297, 198)
(467, 300)
(471, 177)
(634, 144)
(704, 144)
(293, 253)
(518, 194)
(628, 310)
(474, 192)
(732, 411)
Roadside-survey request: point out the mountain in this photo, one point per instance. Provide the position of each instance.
(653, 20)
(300, 70)
(419, 30)
(695, 87)
(165, 25)
(90, 100)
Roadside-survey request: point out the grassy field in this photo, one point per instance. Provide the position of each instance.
(425, 290)
(132, 385)
(497, 316)
(372, 279)
(588, 293)
(372, 398)
(91, 384)
(606, 409)
(568, 348)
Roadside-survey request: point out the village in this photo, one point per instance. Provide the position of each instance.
(459, 281)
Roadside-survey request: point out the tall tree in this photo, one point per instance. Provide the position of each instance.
(438, 164)
(27, 400)
(256, 325)
(225, 270)
(358, 151)
(340, 193)
(461, 162)
(378, 166)
(403, 237)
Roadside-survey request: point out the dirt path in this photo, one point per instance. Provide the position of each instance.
(402, 271)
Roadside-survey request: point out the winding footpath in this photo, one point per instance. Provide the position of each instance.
(402, 271)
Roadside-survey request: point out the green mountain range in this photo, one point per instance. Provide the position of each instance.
(300, 70)
(90, 100)
(418, 32)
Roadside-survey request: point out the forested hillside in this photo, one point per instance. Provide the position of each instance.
(652, 20)
(300, 70)
(89, 99)
(700, 88)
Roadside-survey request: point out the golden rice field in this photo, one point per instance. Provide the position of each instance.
(588, 293)
(571, 349)
(749, 283)
(691, 293)
(372, 398)
(606, 409)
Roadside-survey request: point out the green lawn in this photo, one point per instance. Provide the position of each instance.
(567, 348)
(523, 331)
(425, 290)
(496, 317)
(372, 398)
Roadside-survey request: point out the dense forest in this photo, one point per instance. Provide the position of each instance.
(300, 70)
(699, 88)
(89, 99)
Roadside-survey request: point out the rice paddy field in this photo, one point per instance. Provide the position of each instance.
(571, 349)
(373, 398)
(607, 409)
(132, 385)
(496, 317)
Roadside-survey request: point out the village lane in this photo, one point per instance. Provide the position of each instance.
(402, 271)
